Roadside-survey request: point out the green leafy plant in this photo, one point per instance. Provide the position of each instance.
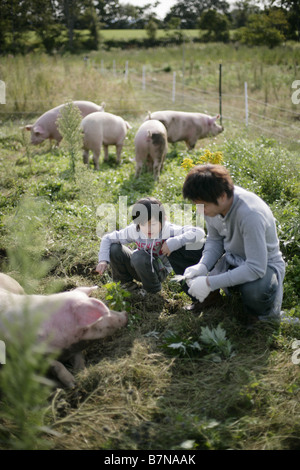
(179, 346)
(116, 297)
(211, 341)
(215, 341)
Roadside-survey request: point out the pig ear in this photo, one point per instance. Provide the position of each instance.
(215, 117)
(28, 127)
(38, 130)
(89, 311)
(87, 290)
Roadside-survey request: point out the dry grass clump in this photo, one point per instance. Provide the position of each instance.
(115, 397)
(134, 394)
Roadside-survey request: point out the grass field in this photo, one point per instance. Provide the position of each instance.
(142, 33)
(139, 391)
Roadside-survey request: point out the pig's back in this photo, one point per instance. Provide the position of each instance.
(153, 126)
(87, 107)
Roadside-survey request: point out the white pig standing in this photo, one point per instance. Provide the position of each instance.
(103, 129)
(45, 127)
(186, 126)
(151, 146)
(67, 320)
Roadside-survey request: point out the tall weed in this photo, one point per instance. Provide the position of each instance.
(23, 388)
(69, 127)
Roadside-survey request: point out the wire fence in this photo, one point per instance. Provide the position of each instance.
(154, 92)
(243, 110)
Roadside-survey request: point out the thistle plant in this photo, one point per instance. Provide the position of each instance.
(211, 341)
(69, 127)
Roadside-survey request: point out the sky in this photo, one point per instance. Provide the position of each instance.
(162, 9)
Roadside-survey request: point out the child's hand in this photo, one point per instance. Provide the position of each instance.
(165, 249)
(102, 267)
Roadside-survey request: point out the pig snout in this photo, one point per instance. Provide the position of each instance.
(120, 318)
(106, 325)
(215, 127)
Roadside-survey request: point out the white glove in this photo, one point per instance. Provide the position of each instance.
(196, 270)
(199, 288)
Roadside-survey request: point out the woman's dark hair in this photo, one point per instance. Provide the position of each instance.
(146, 209)
(207, 183)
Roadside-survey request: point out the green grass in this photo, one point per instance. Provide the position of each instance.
(128, 34)
(136, 392)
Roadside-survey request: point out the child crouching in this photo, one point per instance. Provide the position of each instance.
(160, 248)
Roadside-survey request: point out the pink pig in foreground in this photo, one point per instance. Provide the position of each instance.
(151, 146)
(103, 129)
(185, 126)
(68, 320)
(45, 126)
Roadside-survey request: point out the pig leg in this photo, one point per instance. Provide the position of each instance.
(191, 144)
(157, 164)
(78, 361)
(96, 155)
(63, 375)
(86, 157)
(138, 168)
(149, 164)
(105, 152)
(119, 150)
(156, 169)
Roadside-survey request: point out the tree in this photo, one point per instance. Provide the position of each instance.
(70, 10)
(127, 17)
(242, 10)
(44, 20)
(189, 11)
(292, 9)
(90, 20)
(264, 29)
(216, 25)
(151, 29)
(107, 12)
(13, 23)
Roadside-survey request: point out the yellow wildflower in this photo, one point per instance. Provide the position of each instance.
(216, 158)
(187, 164)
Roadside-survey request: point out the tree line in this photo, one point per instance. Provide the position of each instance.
(28, 24)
